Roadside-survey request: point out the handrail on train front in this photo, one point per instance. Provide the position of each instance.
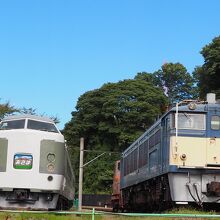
(187, 101)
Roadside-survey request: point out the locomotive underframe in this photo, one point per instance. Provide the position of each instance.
(153, 194)
(24, 199)
(198, 187)
(172, 189)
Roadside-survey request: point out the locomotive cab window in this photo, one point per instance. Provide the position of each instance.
(14, 124)
(215, 122)
(191, 121)
(42, 126)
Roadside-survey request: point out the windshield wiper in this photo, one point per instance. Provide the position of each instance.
(187, 116)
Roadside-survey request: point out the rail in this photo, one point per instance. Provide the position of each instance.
(94, 213)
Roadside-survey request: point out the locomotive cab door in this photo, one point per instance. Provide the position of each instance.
(213, 139)
(165, 142)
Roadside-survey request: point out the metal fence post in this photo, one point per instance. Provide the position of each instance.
(93, 214)
(80, 174)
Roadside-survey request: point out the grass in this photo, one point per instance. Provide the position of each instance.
(36, 216)
(52, 216)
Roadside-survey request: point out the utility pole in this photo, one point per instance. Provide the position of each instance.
(81, 166)
(81, 174)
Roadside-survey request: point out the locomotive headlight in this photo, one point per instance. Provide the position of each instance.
(49, 178)
(50, 167)
(50, 157)
(192, 106)
(183, 157)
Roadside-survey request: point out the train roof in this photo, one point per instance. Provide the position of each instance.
(28, 116)
(198, 107)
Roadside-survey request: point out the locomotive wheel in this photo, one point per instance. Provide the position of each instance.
(63, 203)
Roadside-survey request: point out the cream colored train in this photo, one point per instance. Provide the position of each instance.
(35, 170)
(176, 161)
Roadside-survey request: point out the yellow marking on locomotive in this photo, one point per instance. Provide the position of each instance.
(213, 151)
(195, 152)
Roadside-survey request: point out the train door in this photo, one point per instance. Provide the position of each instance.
(213, 139)
(164, 141)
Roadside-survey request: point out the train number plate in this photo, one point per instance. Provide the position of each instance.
(23, 161)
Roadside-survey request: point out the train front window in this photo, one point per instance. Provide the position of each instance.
(215, 122)
(191, 121)
(42, 126)
(14, 124)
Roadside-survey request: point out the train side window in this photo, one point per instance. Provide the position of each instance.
(215, 122)
(135, 153)
(143, 154)
(153, 161)
(172, 121)
(126, 165)
(168, 125)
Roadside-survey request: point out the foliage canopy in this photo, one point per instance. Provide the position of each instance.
(176, 82)
(208, 75)
(7, 109)
(111, 118)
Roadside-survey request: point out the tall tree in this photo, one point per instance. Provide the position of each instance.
(145, 76)
(111, 118)
(208, 75)
(176, 82)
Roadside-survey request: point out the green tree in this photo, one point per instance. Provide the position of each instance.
(145, 76)
(7, 109)
(110, 119)
(29, 111)
(208, 75)
(176, 82)
(33, 111)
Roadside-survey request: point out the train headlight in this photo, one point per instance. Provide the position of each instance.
(50, 157)
(50, 167)
(49, 178)
(192, 106)
(183, 157)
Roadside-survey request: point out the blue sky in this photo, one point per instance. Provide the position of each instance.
(51, 52)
